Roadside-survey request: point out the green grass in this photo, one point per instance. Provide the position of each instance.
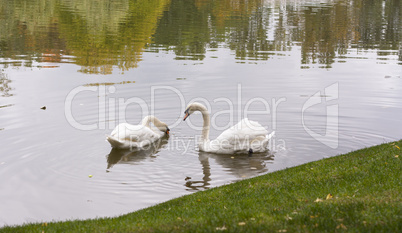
(365, 186)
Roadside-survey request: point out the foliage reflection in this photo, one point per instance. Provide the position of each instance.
(101, 35)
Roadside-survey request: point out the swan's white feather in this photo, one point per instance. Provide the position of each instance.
(126, 136)
(239, 138)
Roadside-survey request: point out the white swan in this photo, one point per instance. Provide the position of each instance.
(244, 137)
(127, 136)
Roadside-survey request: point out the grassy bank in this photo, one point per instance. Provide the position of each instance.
(356, 192)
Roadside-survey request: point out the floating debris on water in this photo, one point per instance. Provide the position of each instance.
(107, 84)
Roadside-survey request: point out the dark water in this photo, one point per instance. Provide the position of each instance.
(325, 75)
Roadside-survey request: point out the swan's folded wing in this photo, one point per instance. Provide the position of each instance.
(124, 130)
(241, 136)
(244, 130)
(134, 135)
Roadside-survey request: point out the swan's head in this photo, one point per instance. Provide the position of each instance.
(190, 109)
(157, 123)
(194, 107)
(187, 114)
(164, 128)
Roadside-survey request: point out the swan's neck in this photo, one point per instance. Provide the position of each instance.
(206, 119)
(148, 119)
(205, 127)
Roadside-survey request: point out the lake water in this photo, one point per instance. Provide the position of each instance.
(325, 75)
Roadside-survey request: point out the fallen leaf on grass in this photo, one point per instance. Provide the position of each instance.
(287, 217)
(318, 200)
(221, 228)
(241, 223)
(284, 230)
(397, 147)
(341, 226)
(329, 196)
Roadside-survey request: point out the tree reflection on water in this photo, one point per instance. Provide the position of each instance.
(102, 35)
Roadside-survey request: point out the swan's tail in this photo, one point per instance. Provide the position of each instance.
(114, 142)
(271, 135)
(260, 143)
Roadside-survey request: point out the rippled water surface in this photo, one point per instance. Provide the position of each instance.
(325, 75)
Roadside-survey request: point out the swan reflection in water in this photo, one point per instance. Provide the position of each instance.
(132, 156)
(240, 165)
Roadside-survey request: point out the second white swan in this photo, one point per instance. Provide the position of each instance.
(127, 136)
(244, 137)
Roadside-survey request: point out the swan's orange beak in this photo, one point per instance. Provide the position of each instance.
(168, 131)
(185, 117)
